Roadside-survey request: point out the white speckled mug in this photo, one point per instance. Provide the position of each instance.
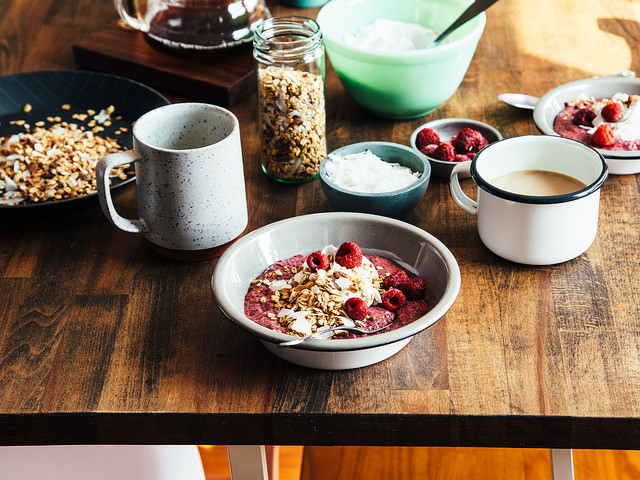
(189, 177)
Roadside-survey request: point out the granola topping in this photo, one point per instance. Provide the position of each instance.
(313, 300)
(55, 162)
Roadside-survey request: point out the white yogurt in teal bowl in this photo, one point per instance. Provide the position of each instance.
(375, 177)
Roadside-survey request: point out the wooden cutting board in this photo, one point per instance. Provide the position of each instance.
(222, 78)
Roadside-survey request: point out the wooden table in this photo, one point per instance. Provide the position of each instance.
(104, 341)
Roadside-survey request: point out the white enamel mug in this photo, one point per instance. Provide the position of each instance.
(534, 230)
(189, 179)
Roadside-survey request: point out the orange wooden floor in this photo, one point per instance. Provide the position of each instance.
(399, 463)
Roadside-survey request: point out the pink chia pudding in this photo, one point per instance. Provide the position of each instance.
(301, 295)
(611, 123)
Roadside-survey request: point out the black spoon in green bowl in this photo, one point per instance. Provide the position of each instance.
(474, 9)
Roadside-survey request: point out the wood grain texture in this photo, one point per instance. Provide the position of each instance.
(103, 341)
(223, 78)
(415, 463)
(434, 463)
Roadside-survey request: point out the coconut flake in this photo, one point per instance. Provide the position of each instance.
(278, 285)
(365, 172)
(10, 185)
(15, 138)
(301, 326)
(330, 250)
(101, 117)
(343, 283)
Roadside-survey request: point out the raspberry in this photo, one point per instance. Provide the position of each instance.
(464, 141)
(482, 142)
(349, 255)
(413, 288)
(444, 152)
(461, 158)
(612, 112)
(429, 149)
(427, 136)
(393, 299)
(356, 308)
(471, 155)
(584, 116)
(395, 279)
(603, 136)
(318, 261)
(468, 140)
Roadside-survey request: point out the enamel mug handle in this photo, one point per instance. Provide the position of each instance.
(133, 20)
(104, 166)
(462, 170)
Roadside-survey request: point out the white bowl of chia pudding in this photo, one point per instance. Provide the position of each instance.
(555, 111)
(386, 241)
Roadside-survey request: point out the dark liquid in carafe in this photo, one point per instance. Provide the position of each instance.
(201, 28)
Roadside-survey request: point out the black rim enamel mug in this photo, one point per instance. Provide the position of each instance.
(529, 228)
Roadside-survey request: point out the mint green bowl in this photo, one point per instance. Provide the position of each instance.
(400, 84)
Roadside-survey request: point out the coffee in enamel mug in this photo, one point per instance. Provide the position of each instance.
(538, 183)
(538, 197)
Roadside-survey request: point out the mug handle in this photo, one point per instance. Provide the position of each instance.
(103, 167)
(132, 20)
(462, 170)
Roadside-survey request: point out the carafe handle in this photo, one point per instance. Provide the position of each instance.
(131, 19)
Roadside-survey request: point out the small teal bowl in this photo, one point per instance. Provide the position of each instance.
(395, 204)
(400, 84)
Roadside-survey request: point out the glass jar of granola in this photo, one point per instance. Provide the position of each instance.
(290, 68)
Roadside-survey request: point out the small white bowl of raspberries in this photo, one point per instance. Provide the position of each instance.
(448, 141)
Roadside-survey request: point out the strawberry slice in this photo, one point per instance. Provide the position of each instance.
(603, 136)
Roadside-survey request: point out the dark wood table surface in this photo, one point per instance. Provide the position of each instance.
(104, 341)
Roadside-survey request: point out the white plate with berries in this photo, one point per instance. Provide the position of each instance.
(602, 112)
(294, 277)
(448, 141)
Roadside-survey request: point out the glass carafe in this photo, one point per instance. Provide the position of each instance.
(194, 26)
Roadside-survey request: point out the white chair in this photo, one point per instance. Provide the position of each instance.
(101, 462)
(562, 464)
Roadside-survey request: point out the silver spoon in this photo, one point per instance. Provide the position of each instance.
(474, 9)
(519, 100)
(328, 333)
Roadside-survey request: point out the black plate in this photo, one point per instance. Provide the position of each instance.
(48, 91)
